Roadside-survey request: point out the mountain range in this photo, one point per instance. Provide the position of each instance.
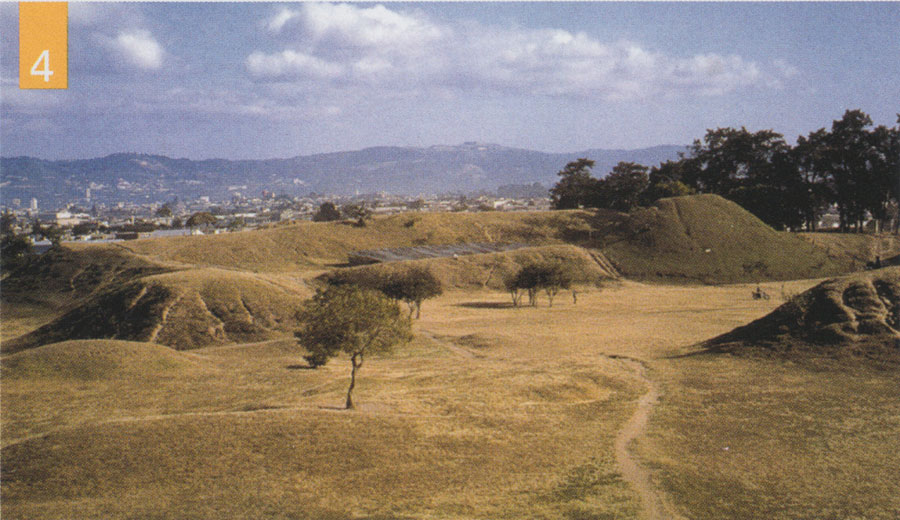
(139, 178)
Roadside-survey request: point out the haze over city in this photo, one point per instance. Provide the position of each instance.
(279, 80)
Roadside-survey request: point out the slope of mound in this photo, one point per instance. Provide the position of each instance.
(857, 315)
(858, 248)
(491, 269)
(184, 310)
(709, 239)
(97, 359)
(63, 275)
(306, 244)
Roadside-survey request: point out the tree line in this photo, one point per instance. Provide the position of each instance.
(854, 167)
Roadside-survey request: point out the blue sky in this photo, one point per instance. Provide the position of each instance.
(256, 80)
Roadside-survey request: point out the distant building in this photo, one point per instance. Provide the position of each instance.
(34, 205)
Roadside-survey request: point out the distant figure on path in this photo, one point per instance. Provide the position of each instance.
(574, 297)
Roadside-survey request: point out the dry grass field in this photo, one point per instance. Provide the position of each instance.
(492, 412)
(163, 382)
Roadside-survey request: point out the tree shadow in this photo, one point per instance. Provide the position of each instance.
(486, 305)
(300, 367)
(331, 407)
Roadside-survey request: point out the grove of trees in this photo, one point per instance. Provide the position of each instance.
(854, 167)
(550, 277)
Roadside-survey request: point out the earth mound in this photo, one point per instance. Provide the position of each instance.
(491, 269)
(63, 275)
(857, 315)
(709, 239)
(302, 245)
(184, 310)
(96, 360)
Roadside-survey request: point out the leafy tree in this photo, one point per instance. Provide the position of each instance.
(7, 223)
(413, 286)
(177, 223)
(357, 211)
(622, 188)
(164, 212)
(575, 185)
(514, 288)
(14, 251)
(848, 151)
(327, 212)
(53, 233)
(201, 218)
(811, 159)
(237, 224)
(358, 322)
(551, 277)
(755, 170)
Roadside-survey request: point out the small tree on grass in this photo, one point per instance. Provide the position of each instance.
(355, 321)
(514, 290)
(413, 286)
(553, 278)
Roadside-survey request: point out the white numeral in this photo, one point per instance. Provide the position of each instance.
(46, 72)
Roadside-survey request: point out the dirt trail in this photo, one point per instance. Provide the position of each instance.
(653, 503)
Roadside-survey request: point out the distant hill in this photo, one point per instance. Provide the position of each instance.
(399, 170)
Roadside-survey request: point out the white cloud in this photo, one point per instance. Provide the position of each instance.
(378, 26)
(349, 45)
(291, 63)
(277, 22)
(138, 48)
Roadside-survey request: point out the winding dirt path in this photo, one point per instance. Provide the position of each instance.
(653, 503)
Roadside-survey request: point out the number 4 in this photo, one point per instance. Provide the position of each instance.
(46, 72)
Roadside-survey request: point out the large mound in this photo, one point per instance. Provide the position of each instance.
(315, 244)
(701, 238)
(491, 269)
(97, 359)
(857, 315)
(63, 275)
(184, 310)
(709, 239)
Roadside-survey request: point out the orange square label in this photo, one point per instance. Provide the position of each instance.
(43, 45)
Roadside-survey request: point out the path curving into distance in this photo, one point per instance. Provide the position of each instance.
(653, 504)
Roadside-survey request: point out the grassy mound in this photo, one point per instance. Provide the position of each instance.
(96, 360)
(491, 269)
(315, 244)
(63, 275)
(857, 315)
(859, 248)
(706, 238)
(184, 310)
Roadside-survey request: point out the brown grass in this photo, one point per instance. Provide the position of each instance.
(491, 269)
(305, 245)
(523, 427)
(185, 309)
(859, 248)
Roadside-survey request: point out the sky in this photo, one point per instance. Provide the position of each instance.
(260, 80)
